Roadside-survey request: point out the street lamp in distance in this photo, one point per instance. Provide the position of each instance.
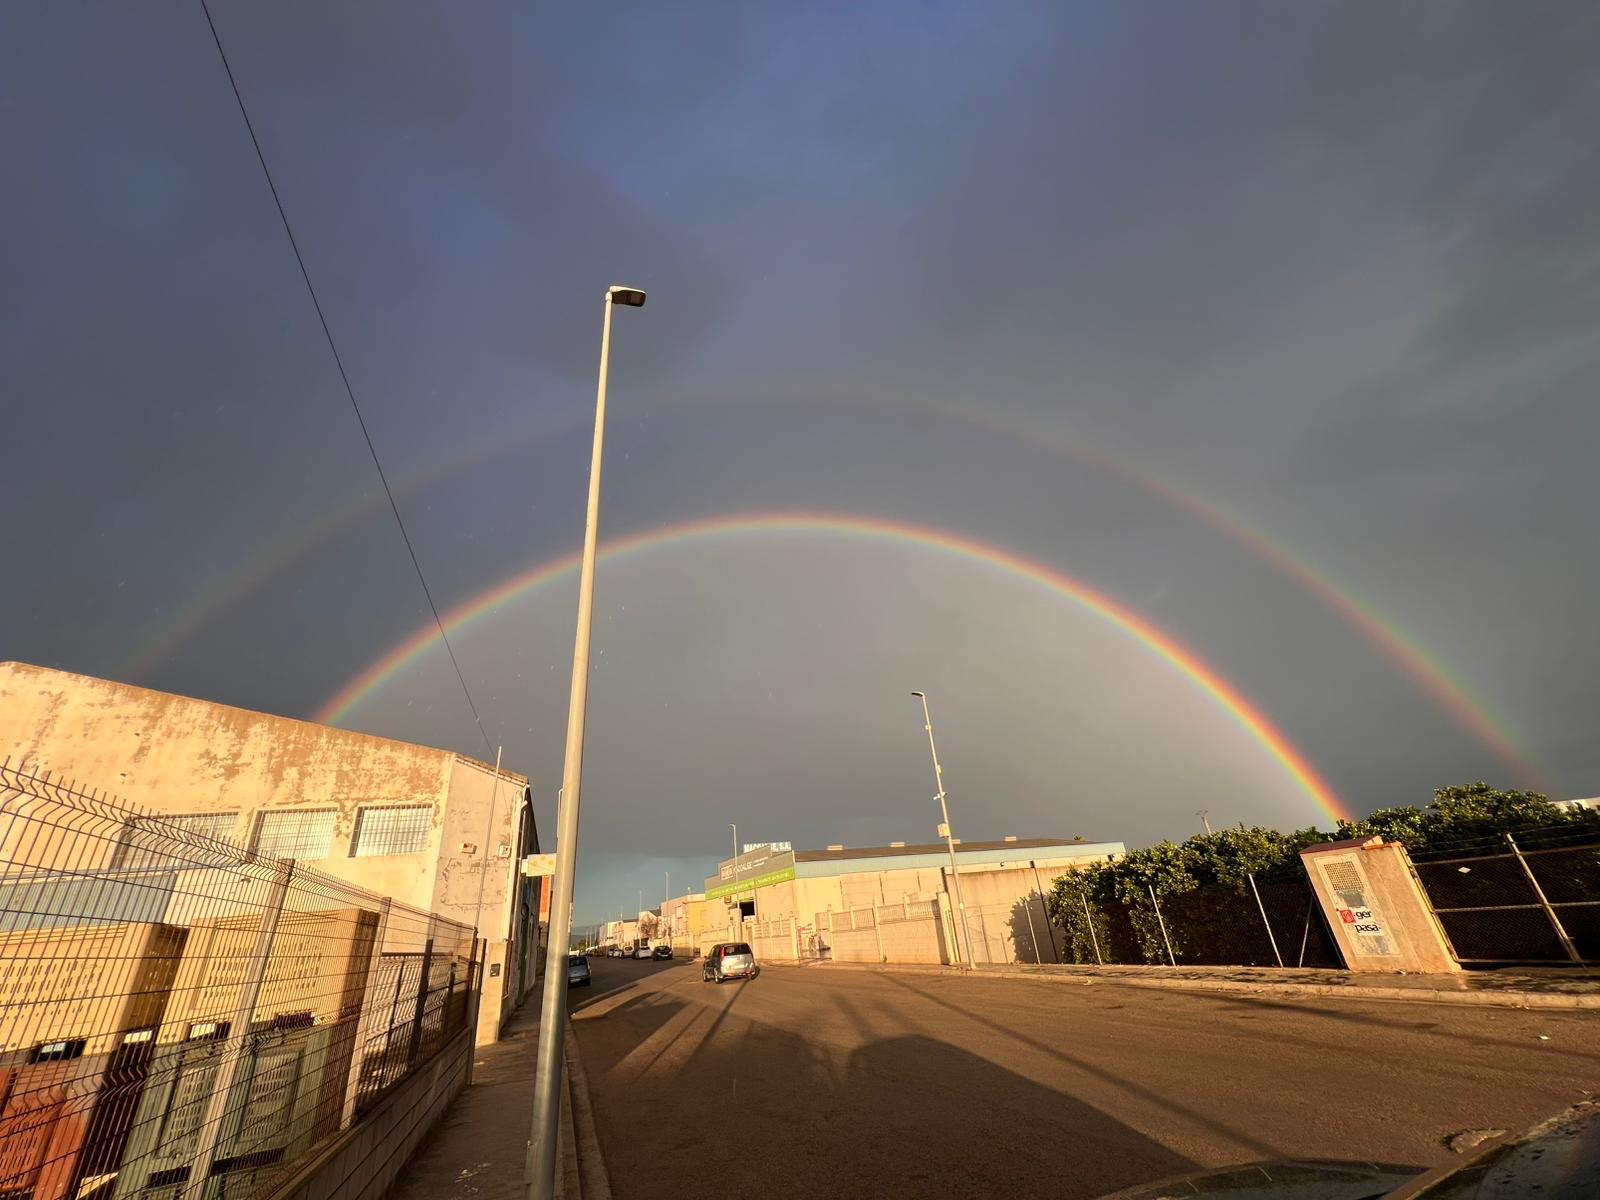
(949, 838)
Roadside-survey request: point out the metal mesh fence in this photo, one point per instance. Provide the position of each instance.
(1519, 906)
(1209, 926)
(182, 1017)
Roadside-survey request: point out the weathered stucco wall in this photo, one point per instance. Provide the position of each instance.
(174, 754)
(478, 856)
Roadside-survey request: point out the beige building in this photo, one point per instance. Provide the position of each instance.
(683, 922)
(898, 903)
(621, 933)
(428, 827)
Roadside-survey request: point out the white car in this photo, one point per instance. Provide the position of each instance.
(640, 952)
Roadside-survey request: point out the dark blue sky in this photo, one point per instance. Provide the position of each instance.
(1333, 269)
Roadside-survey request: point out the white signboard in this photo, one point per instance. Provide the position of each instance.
(539, 864)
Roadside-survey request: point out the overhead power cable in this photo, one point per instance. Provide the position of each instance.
(344, 377)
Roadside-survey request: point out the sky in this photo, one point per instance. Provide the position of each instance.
(1264, 337)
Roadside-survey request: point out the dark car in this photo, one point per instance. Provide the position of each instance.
(728, 960)
(578, 971)
(661, 952)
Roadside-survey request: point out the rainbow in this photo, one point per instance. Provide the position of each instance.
(339, 706)
(1426, 671)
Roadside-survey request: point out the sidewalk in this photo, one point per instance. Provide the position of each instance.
(479, 1150)
(1519, 988)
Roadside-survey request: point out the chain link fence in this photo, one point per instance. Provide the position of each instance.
(184, 1019)
(1510, 904)
(1266, 924)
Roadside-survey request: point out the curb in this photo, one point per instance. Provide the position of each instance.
(1505, 999)
(594, 1183)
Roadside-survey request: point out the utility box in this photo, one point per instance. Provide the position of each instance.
(1375, 905)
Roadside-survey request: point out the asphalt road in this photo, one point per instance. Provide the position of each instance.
(825, 1082)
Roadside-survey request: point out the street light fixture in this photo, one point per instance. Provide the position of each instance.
(541, 1164)
(740, 922)
(949, 839)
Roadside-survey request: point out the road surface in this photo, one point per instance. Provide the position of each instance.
(819, 1081)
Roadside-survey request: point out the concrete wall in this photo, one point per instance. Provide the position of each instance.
(910, 935)
(1006, 915)
(1379, 915)
(363, 1162)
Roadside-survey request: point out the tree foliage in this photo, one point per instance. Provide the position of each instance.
(1474, 816)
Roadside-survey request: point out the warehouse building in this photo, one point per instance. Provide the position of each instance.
(433, 829)
(899, 903)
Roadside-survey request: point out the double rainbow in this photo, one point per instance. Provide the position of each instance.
(1426, 670)
(339, 706)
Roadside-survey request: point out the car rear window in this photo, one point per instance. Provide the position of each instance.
(737, 948)
(578, 959)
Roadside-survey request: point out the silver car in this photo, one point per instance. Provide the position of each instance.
(577, 971)
(728, 960)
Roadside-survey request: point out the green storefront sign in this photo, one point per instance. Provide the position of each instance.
(749, 883)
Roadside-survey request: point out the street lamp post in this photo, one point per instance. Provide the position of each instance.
(949, 838)
(540, 1171)
(740, 923)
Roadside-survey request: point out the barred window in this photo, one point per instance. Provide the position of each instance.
(294, 834)
(391, 829)
(147, 841)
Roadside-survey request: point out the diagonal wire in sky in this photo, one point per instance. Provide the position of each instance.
(345, 378)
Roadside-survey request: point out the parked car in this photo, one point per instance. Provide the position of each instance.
(578, 971)
(729, 960)
(616, 952)
(661, 952)
(641, 952)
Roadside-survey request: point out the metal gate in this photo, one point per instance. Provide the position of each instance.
(1519, 906)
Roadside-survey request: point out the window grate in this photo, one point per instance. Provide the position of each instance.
(294, 834)
(391, 829)
(141, 838)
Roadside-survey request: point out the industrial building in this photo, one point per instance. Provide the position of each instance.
(431, 828)
(898, 903)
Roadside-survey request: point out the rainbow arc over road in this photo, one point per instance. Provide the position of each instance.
(1203, 676)
(1426, 670)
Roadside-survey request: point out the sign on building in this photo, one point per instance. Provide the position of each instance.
(535, 865)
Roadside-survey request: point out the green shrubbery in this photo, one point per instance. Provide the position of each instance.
(1472, 819)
